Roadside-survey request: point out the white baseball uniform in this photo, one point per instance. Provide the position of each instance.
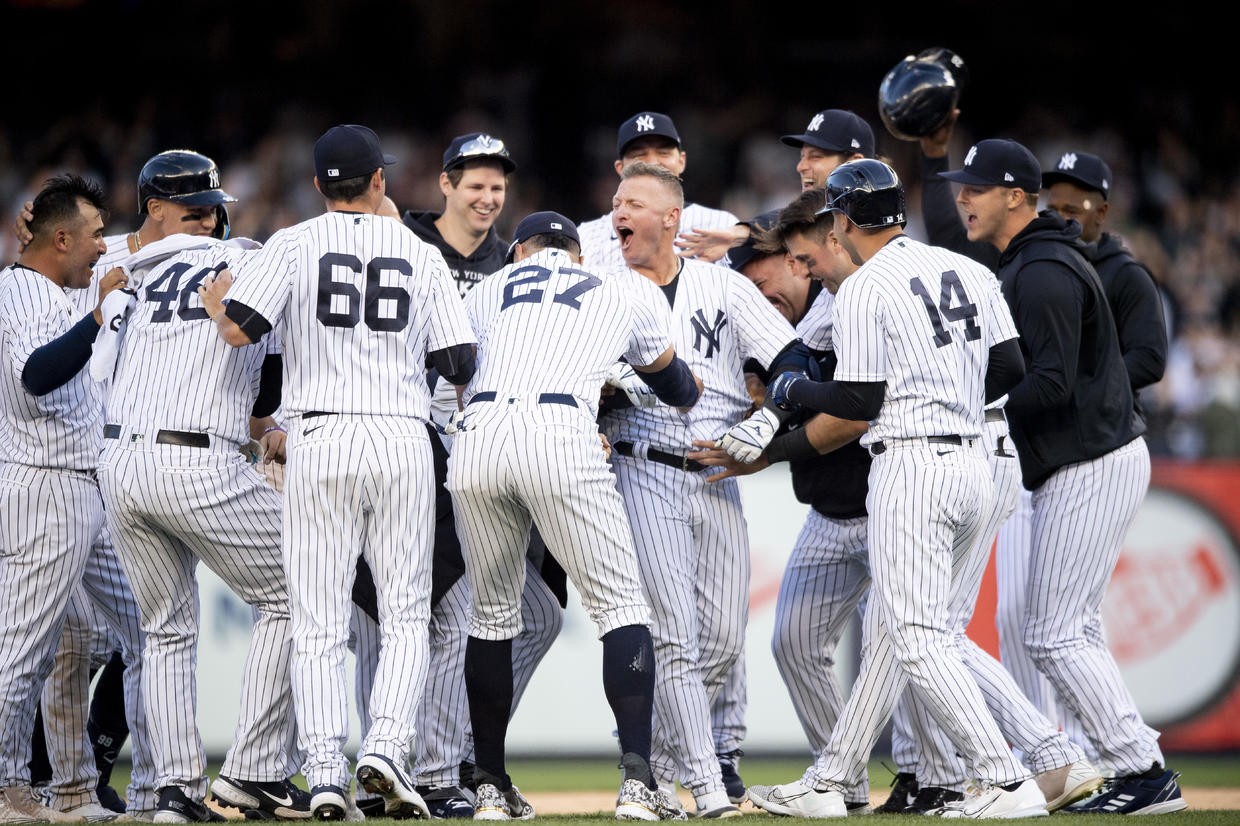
(930, 492)
(360, 302)
(691, 535)
(51, 511)
(178, 491)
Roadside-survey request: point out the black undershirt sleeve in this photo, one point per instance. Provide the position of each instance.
(55, 363)
(248, 319)
(455, 363)
(857, 401)
(270, 381)
(1006, 368)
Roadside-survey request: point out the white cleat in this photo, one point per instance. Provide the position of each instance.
(1068, 784)
(795, 799)
(996, 803)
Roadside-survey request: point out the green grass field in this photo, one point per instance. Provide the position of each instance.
(593, 773)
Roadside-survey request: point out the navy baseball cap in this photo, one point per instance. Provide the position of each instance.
(643, 124)
(1083, 169)
(542, 223)
(998, 162)
(737, 257)
(348, 151)
(477, 146)
(836, 130)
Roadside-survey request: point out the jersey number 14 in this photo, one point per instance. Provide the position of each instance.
(954, 305)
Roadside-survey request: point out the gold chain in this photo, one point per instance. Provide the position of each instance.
(137, 241)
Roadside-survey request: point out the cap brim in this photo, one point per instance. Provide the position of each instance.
(1049, 178)
(814, 141)
(961, 176)
(388, 160)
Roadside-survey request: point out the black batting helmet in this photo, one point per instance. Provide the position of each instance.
(183, 177)
(919, 93)
(868, 191)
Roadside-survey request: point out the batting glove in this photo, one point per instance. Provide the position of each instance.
(623, 377)
(777, 390)
(455, 423)
(746, 441)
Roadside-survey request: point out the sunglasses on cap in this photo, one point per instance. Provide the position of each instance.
(481, 146)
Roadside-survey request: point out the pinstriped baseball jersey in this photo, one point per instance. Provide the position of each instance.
(362, 301)
(611, 317)
(600, 248)
(145, 391)
(817, 328)
(719, 319)
(923, 320)
(61, 429)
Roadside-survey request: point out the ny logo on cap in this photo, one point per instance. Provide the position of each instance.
(968, 159)
(1068, 161)
(814, 123)
(645, 123)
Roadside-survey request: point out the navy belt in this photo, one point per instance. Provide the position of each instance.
(543, 398)
(661, 456)
(184, 438)
(878, 447)
(995, 414)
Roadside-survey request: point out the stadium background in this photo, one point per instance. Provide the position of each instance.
(97, 87)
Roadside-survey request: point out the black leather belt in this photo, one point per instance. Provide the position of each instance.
(543, 398)
(994, 414)
(661, 456)
(184, 438)
(878, 447)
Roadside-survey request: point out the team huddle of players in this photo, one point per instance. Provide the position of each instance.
(463, 425)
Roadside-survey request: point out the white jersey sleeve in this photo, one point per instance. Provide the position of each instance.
(63, 428)
(815, 329)
(360, 302)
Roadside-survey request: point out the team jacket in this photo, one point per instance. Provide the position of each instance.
(1137, 307)
(1075, 402)
(467, 270)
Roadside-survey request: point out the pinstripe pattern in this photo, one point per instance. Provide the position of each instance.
(41, 562)
(817, 327)
(827, 575)
(353, 369)
(600, 248)
(928, 504)
(687, 531)
(931, 390)
(146, 488)
(1080, 516)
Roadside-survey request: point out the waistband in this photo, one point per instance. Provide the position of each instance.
(543, 398)
(184, 438)
(878, 448)
(661, 456)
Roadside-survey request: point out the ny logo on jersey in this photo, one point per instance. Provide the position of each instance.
(1068, 161)
(706, 335)
(814, 124)
(645, 123)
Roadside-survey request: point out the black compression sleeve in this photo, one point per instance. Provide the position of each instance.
(857, 401)
(58, 361)
(674, 384)
(1006, 368)
(789, 447)
(269, 383)
(248, 319)
(455, 363)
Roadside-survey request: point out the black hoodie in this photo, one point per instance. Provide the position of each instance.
(1075, 402)
(467, 270)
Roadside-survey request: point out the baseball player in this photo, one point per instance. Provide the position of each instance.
(474, 180)
(648, 137)
(691, 537)
(1082, 458)
(919, 372)
(527, 450)
(831, 137)
(49, 443)
(361, 303)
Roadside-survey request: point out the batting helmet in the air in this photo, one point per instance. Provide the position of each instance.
(868, 191)
(919, 93)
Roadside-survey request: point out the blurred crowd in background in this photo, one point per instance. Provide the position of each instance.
(733, 83)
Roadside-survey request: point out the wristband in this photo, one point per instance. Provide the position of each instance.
(274, 427)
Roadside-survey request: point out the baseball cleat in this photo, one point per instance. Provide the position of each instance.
(997, 803)
(1136, 795)
(175, 806)
(1068, 784)
(795, 799)
(493, 804)
(270, 800)
(379, 775)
